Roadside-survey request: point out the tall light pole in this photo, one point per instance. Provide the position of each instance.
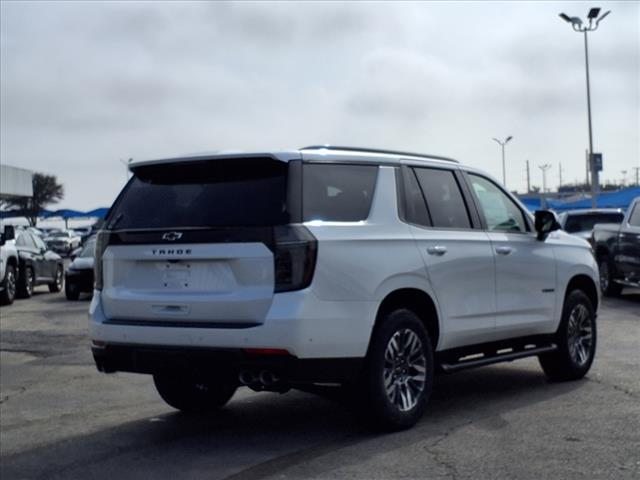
(502, 144)
(544, 169)
(579, 26)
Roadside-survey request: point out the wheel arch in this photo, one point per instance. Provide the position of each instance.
(13, 261)
(586, 284)
(416, 300)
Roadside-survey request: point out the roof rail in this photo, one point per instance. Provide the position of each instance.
(377, 150)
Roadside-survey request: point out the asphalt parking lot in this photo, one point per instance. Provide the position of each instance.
(60, 418)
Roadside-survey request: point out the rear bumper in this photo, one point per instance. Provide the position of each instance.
(298, 322)
(224, 363)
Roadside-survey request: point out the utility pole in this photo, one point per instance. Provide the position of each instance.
(544, 169)
(637, 169)
(586, 160)
(559, 175)
(528, 178)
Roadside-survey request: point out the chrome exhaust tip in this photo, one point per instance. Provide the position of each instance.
(247, 377)
(268, 378)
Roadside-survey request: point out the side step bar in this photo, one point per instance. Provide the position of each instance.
(628, 283)
(488, 360)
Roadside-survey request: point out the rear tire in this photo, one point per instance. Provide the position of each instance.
(8, 294)
(193, 396)
(71, 291)
(26, 283)
(397, 382)
(576, 339)
(607, 285)
(56, 286)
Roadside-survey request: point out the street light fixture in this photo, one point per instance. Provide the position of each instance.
(579, 26)
(502, 144)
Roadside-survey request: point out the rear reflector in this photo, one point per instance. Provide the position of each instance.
(265, 351)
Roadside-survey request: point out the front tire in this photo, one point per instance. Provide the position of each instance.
(26, 283)
(56, 286)
(8, 294)
(193, 396)
(398, 378)
(576, 338)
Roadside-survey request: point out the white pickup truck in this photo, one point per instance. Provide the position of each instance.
(8, 265)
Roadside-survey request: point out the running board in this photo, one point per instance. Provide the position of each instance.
(504, 357)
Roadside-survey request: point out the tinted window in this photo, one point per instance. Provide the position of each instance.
(229, 192)
(340, 193)
(415, 208)
(634, 218)
(500, 212)
(24, 240)
(444, 199)
(585, 222)
(39, 243)
(89, 247)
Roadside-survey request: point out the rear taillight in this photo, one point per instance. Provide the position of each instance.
(294, 257)
(102, 240)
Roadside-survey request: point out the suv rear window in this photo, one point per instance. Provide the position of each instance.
(585, 222)
(340, 193)
(221, 192)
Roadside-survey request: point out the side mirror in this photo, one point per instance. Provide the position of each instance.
(9, 232)
(546, 222)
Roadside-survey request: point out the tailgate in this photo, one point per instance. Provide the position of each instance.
(214, 283)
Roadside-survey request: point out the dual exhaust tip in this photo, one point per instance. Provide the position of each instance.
(258, 380)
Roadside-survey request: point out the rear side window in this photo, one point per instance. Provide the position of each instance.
(634, 218)
(222, 192)
(415, 208)
(340, 193)
(444, 199)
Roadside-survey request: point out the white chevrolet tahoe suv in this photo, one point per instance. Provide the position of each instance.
(366, 270)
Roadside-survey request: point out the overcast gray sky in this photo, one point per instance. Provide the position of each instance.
(84, 85)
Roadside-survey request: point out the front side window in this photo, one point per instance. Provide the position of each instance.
(338, 193)
(500, 212)
(39, 243)
(445, 202)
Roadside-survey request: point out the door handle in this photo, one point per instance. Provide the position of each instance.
(503, 250)
(437, 250)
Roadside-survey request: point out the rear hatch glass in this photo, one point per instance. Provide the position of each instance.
(225, 192)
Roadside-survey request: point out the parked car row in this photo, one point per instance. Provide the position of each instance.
(26, 261)
(615, 238)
